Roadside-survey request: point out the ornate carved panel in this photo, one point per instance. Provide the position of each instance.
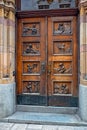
(31, 86)
(62, 47)
(31, 67)
(31, 29)
(31, 48)
(62, 87)
(47, 60)
(62, 67)
(64, 28)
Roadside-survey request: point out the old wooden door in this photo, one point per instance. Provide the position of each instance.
(47, 61)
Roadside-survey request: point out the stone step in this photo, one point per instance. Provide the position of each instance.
(47, 109)
(45, 119)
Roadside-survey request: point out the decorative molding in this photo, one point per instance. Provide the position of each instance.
(7, 5)
(83, 3)
(42, 13)
(83, 46)
(6, 12)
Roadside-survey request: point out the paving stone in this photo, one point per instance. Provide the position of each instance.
(50, 127)
(19, 127)
(80, 128)
(6, 126)
(65, 128)
(12, 126)
(71, 128)
(34, 127)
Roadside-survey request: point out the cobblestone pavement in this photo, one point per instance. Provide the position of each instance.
(12, 126)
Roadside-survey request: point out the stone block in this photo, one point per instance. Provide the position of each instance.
(6, 126)
(7, 99)
(19, 127)
(83, 102)
(34, 127)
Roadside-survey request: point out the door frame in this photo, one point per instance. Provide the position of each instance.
(49, 13)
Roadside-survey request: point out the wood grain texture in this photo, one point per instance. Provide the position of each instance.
(53, 71)
(44, 13)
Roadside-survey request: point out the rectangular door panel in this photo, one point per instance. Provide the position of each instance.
(31, 62)
(62, 60)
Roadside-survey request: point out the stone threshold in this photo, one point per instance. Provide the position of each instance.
(45, 119)
(47, 109)
(45, 115)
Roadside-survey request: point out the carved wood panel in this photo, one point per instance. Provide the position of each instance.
(63, 28)
(31, 29)
(31, 87)
(62, 87)
(62, 47)
(62, 67)
(31, 67)
(31, 55)
(62, 56)
(31, 48)
(47, 58)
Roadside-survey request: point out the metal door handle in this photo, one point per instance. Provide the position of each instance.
(43, 67)
(49, 68)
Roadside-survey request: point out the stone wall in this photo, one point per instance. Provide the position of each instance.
(7, 56)
(83, 60)
(7, 41)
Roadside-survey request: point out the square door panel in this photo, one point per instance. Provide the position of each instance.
(31, 48)
(62, 47)
(62, 27)
(31, 29)
(62, 87)
(62, 67)
(31, 87)
(31, 67)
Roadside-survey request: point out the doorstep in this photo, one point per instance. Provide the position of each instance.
(42, 116)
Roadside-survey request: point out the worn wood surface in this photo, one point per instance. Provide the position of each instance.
(47, 63)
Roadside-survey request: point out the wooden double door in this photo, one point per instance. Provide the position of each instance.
(47, 61)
